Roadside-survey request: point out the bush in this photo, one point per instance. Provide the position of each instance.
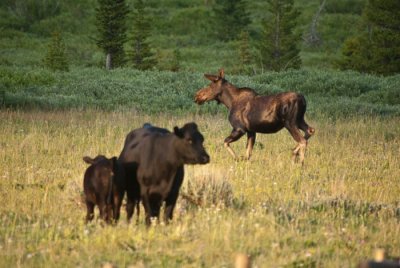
(331, 93)
(208, 189)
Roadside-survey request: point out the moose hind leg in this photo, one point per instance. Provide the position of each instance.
(308, 131)
(251, 139)
(300, 149)
(235, 135)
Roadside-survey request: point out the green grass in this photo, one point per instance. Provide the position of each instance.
(333, 212)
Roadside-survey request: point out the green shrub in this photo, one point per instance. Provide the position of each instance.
(13, 79)
(333, 93)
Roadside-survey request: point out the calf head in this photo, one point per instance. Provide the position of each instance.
(101, 160)
(213, 91)
(190, 145)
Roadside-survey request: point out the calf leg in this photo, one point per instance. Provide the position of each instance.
(251, 139)
(90, 211)
(302, 143)
(103, 209)
(235, 135)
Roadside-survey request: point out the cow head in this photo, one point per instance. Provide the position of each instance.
(190, 145)
(213, 91)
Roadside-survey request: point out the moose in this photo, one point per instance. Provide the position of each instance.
(250, 113)
(154, 160)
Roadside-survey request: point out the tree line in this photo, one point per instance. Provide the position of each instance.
(374, 50)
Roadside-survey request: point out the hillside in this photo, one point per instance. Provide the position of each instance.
(186, 25)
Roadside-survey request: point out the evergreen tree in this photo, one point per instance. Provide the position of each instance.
(111, 25)
(377, 50)
(278, 48)
(56, 59)
(231, 18)
(176, 60)
(245, 52)
(142, 56)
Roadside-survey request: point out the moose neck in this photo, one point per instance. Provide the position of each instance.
(229, 94)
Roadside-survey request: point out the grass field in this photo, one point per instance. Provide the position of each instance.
(333, 212)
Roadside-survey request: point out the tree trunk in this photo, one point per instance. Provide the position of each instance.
(108, 61)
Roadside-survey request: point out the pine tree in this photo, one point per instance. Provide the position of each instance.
(278, 48)
(142, 56)
(231, 18)
(176, 60)
(377, 49)
(111, 24)
(56, 59)
(245, 53)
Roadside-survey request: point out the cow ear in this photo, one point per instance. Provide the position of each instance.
(178, 132)
(211, 77)
(221, 73)
(88, 160)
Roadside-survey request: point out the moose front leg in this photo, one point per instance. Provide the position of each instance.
(251, 139)
(235, 135)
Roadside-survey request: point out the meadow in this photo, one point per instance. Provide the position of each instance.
(333, 212)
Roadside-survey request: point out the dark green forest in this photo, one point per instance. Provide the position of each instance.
(187, 25)
(185, 36)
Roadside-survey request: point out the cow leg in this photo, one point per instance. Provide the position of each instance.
(147, 209)
(170, 201)
(109, 213)
(90, 211)
(137, 211)
(251, 139)
(146, 205)
(235, 135)
(130, 206)
(302, 143)
(155, 206)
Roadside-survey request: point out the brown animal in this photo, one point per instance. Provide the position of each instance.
(250, 113)
(154, 161)
(99, 187)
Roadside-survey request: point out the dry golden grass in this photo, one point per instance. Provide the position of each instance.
(333, 212)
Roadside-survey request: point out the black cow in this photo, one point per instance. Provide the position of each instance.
(153, 159)
(98, 186)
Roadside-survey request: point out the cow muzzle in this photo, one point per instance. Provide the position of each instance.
(204, 159)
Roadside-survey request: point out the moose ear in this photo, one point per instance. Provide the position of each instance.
(221, 73)
(178, 132)
(88, 160)
(211, 77)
